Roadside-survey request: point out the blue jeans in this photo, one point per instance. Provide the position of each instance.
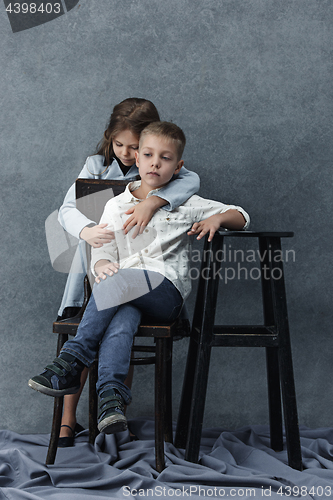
(111, 320)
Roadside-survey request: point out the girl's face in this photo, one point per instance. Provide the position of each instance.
(124, 146)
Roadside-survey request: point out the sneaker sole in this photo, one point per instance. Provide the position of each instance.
(113, 424)
(57, 393)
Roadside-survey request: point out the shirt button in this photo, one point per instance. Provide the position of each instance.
(146, 230)
(146, 251)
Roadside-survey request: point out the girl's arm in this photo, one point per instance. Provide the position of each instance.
(107, 253)
(71, 219)
(182, 187)
(77, 224)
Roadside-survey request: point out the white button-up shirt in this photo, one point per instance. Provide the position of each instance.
(163, 247)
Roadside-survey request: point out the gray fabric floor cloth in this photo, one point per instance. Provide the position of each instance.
(233, 464)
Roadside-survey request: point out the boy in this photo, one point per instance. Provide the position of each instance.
(146, 275)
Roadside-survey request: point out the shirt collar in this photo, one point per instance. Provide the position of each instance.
(132, 186)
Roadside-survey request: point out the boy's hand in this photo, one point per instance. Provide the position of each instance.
(141, 214)
(104, 268)
(97, 236)
(211, 225)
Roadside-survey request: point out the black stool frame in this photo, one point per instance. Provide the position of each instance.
(162, 333)
(273, 335)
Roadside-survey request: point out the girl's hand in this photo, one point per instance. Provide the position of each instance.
(142, 213)
(104, 268)
(97, 236)
(210, 225)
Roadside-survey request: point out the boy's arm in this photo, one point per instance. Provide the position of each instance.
(181, 187)
(211, 215)
(232, 219)
(141, 214)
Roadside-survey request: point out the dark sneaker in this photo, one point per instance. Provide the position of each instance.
(60, 378)
(111, 418)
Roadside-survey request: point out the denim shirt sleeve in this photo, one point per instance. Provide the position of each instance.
(182, 186)
(71, 219)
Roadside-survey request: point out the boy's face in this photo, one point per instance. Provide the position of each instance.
(157, 161)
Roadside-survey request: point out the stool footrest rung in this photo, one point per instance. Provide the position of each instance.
(244, 335)
(245, 329)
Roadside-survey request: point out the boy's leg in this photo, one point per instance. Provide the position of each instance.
(107, 297)
(154, 295)
(63, 375)
(115, 350)
(162, 302)
(113, 365)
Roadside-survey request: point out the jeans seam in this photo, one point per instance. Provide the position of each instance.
(77, 355)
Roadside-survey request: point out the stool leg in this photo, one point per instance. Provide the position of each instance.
(168, 437)
(285, 364)
(203, 324)
(93, 374)
(186, 397)
(274, 398)
(57, 415)
(198, 403)
(272, 363)
(53, 444)
(160, 383)
(187, 389)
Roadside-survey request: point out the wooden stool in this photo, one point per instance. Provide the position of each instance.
(91, 197)
(273, 335)
(163, 335)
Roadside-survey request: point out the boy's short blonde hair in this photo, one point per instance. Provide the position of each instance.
(166, 130)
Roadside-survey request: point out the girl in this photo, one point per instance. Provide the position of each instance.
(115, 159)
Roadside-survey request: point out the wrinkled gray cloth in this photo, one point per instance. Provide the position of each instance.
(233, 464)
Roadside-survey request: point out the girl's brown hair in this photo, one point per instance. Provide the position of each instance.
(132, 114)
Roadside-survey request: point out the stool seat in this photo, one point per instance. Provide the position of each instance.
(273, 335)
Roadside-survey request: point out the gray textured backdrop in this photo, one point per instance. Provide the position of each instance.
(250, 82)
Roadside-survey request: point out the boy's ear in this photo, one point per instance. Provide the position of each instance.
(179, 166)
(136, 157)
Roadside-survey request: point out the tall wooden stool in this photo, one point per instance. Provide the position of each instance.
(273, 335)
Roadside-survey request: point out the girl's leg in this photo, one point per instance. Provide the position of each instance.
(70, 405)
(71, 402)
